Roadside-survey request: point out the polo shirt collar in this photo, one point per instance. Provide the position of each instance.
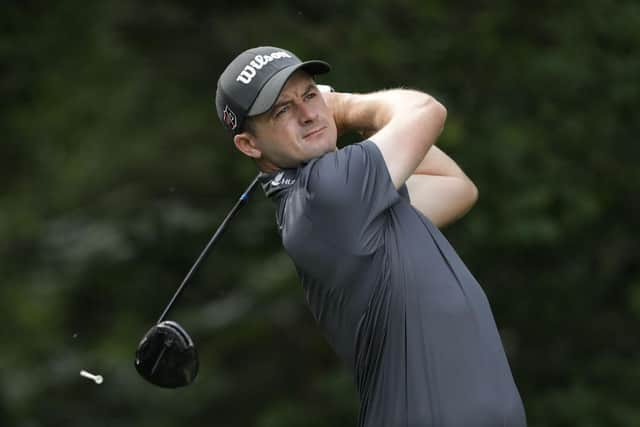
(276, 182)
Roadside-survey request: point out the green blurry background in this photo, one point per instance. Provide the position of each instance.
(114, 172)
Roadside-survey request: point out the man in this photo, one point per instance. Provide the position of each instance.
(360, 224)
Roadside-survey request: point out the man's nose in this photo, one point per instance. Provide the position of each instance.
(306, 113)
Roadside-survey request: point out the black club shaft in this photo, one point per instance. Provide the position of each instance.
(241, 201)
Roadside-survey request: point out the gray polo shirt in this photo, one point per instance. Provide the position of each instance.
(393, 298)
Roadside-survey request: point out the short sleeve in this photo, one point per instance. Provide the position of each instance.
(350, 193)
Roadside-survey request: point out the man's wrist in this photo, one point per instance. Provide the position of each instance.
(325, 88)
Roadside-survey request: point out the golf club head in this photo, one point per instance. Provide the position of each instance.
(166, 356)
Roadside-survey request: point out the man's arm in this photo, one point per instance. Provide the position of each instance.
(405, 124)
(440, 189)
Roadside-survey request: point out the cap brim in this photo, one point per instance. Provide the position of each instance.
(271, 90)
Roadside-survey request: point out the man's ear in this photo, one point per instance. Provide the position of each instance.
(246, 143)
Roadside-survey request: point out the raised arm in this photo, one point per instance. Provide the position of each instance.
(404, 124)
(440, 189)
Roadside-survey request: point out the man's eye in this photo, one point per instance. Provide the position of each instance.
(282, 111)
(310, 95)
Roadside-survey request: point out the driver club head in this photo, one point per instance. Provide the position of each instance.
(166, 356)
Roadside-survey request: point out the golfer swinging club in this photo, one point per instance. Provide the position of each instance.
(360, 223)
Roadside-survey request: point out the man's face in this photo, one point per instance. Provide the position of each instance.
(298, 127)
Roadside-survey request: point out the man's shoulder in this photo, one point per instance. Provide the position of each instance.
(340, 168)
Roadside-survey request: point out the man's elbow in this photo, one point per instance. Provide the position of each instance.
(434, 111)
(467, 197)
(440, 108)
(471, 193)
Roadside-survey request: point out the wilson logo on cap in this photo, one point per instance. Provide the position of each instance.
(229, 118)
(258, 61)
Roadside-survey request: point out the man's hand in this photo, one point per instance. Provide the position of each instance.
(335, 102)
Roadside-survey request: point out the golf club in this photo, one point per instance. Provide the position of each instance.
(166, 355)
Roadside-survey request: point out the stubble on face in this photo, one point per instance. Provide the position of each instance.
(300, 126)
